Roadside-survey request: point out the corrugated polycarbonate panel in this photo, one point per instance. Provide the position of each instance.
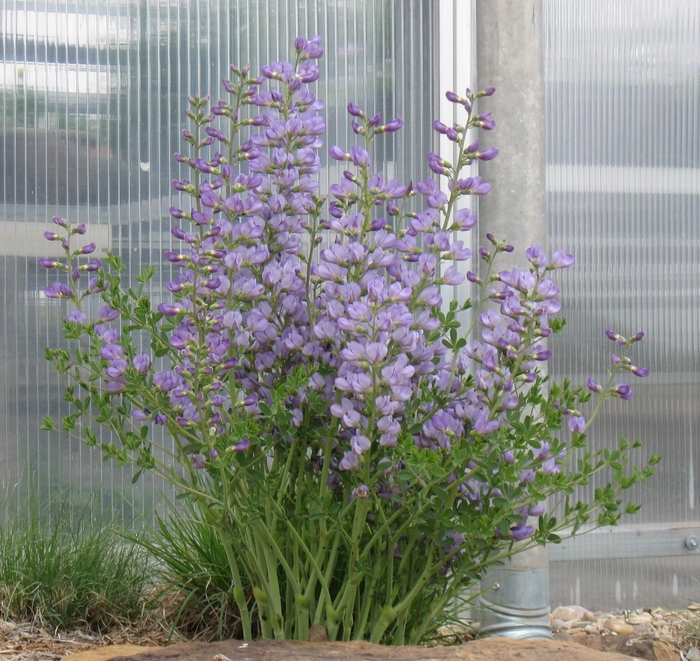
(92, 94)
(623, 180)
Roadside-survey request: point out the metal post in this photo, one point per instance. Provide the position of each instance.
(515, 597)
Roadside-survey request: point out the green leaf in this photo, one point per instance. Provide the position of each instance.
(48, 424)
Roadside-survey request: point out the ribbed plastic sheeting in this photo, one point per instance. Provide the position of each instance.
(92, 95)
(623, 178)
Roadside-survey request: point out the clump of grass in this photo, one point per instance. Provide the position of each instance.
(65, 572)
(687, 624)
(193, 573)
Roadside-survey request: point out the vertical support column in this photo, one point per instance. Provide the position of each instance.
(515, 597)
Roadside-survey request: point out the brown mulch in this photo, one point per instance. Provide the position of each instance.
(32, 641)
(29, 641)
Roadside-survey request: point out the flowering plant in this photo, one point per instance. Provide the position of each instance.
(363, 457)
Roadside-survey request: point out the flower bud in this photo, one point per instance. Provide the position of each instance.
(594, 386)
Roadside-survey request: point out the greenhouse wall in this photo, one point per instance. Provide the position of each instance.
(623, 187)
(92, 96)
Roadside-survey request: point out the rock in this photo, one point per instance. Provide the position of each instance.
(564, 613)
(664, 652)
(488, 649)
(110, 651)
(648, 649)
(618, 626)
(318, 634)
(558, 625)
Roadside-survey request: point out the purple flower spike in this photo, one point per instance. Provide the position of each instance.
(639, 371)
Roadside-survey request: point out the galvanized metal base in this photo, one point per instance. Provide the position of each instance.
(515, 603)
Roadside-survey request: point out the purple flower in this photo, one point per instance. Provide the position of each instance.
(392, 126)
(488, 154)
(535, 255)
(59, 290)
(439, 127)
(577, 424)
(77, 316)
(639, 371)
(140, 414)
(242, 445)
(521, 532)
(348, 462)
(623, 391)
(107, 314)
(198, 461)
(360, 492)
(141, 362)
(560, 260)
(338, 154)
(594, 386)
